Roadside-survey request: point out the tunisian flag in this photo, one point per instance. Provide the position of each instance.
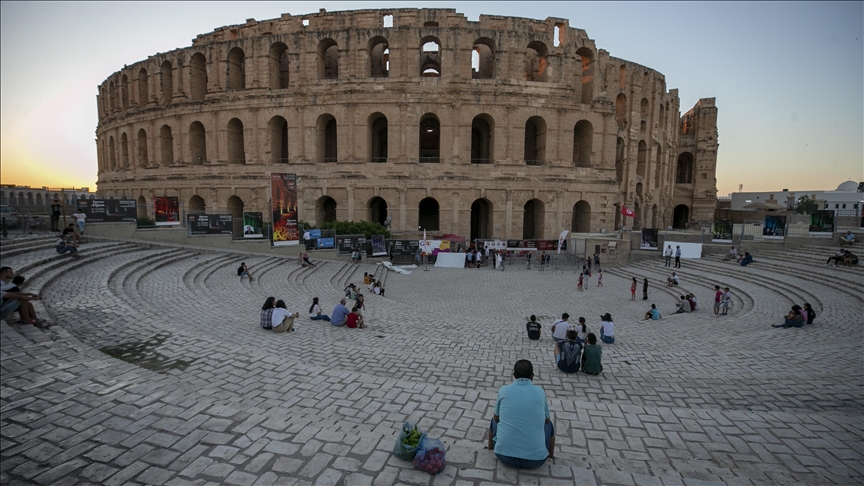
(627, 212)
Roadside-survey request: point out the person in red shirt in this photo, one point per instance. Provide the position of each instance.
(718, 296)
(354, 321)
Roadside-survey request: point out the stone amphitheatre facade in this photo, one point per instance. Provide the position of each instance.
(505, 127)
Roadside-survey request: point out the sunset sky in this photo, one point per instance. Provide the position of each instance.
(788, 76)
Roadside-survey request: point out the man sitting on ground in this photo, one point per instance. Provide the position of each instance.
(847, 239)
(732, 255)
(339, 316)
(837, 258)
(521, 432)
(243, 271)
(652, 314)
(69, 233)
(63, 245)
(683, 305)
(13, 299)
(533, 328)
(672, 280)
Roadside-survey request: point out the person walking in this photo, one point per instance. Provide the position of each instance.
(633, 289)
(645, 289)
(668, 255)
(677, 256)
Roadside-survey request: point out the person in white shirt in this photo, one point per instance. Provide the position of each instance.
(607, 329)
(283, 319)
(673, 280)
(315, 312)
(80, 218)
(732, 255)
(559, 333)
(668, 255)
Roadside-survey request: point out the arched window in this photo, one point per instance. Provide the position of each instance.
(124, 151)
(236, 76)
(377, 129)
(327, 139)
(535, 141)
(622, 77)
(643, 108)
(198, 76)
(685, 168)
(536, 68)
(235, 206)
(662, 113)
(621, 111)
(141, 207)
(167, 75)
(430, 139)
(124, 91)
(581, 220)
(681, 217)
(112, 154)
(533, 220)
(429, 214)
(620, 150)
(197, 143)
(378, 211)
(143, 87)
(236, 142)
(483, 59)
(279, 66)
(642, 158)
(583, 137)
(482, 139)
(430, 57)
(481, 219)
(587, 57)
(638, 189)
(39, 199)
(111, 96)
(142, 149)
(328, 59)
(278, 140)
(658, 157)
(196, 205)
(167, 144)
(379, 57)
(325, 210)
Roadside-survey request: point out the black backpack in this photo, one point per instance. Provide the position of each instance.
(240, 270)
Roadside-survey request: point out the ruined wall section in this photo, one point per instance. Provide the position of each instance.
(698, 139)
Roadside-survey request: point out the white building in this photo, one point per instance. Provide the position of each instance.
(847, 197)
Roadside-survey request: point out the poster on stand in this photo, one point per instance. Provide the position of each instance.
(210, 224)
(253, 225)
(167, 210)
(822, 222)
(649, 238)
(346, 244)
(283, 191)
(774, 226)
(531, 245)
(378, 246)
(109, 210)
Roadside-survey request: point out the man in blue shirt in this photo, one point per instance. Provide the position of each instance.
(652, 314)
(339, 316)
(521, 433)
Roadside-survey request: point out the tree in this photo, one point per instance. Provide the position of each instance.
(805, 205)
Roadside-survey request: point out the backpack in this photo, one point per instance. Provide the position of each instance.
(240, 270)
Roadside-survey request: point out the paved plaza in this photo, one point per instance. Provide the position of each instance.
(157, 372)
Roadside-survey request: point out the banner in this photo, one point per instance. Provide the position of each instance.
(210, 224)
(495, 244)
(283, 191)
(324, 243)
(530, 245)
(378, 246)
(253, 225)
(346, 244)
(649, 239)
(774, 226)
(167, 210)
(404, 247)
(822, 222)
(561, 238)
(109, 210)
(433, 247)
(627, 212)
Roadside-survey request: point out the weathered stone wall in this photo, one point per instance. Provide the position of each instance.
(214, 119)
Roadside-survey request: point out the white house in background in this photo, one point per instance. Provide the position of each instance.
(848, 196)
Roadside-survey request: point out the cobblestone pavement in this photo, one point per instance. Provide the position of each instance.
(156, 372)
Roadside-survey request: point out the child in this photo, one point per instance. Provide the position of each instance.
(633, 289)
(579, 287)
(599, 278)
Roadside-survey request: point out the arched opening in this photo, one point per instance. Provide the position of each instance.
(279, 68)
(197, 143)
(643, 108)
(143, 87)
(481, 139)
(430, 139)
(622, 77)
(533, 220)
(430, 23)
(657, 161)
(428, 215)
(638, 188)
(167, 75)
(377, 130)
(378, 210)
(198, 76)
(379, 57)
(681, 217)
(620, 150)
(662, 116)
(124, 151)
(325, 210)
(684, 172)
(637, 221)
(483, 59)
(587, 58)
(235, 206)
(196, 205)
(236, 142)
(111, 95)
(535, 141)
(430, 57)
(235, 78)
(643, 127)
(38, 199)
(166, 139)
(536, 68)
(278, 140)
(142, 149)
(621, 111)
(124, 91)
(327, 138)
(481, 219)
(583, 137)
(642, 158)
(112, 154)
(141, 207)
(581, 220)
(328, 59)
(654, 214)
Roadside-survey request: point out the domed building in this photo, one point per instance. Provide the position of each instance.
(504, 127)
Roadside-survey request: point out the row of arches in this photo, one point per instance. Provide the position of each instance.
(38, 198)
(622, 112)
(116, 95)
